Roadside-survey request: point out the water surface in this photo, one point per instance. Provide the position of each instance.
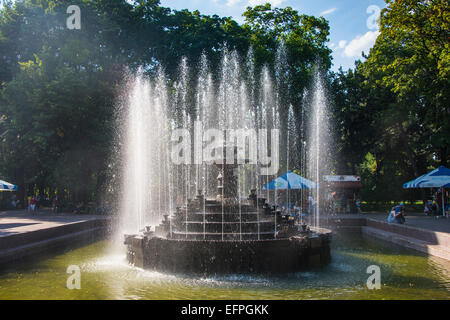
(105, 274)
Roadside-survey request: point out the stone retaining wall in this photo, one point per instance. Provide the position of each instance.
(21, 245)
(430, 242)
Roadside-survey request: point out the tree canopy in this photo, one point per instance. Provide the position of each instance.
(395, 105)
(59, 87)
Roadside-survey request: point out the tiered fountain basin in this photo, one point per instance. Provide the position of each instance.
(229, 237)
(200, 256)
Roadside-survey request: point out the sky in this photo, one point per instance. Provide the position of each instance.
(353, 26)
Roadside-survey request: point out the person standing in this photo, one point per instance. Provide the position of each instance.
(311, 204)
(38, 201)
(32, 204)
(55, 204)
(439, 200)
(297, 211)
(358, 206)
(344, 203)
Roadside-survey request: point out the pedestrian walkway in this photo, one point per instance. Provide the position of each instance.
(20, 221)
(423, 233)
(418, 220)
(24, 234)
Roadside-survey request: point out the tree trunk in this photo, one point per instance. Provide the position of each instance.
(22, 188)
(412, 157)
(443, 156)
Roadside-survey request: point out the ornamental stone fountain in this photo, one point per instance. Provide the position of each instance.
(227, 235)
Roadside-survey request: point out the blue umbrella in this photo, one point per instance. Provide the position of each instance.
(438, 178)
(6, 186)
(289, 180)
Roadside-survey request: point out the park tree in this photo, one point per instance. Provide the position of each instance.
(191, 34)
(293, 46)
(304, 36)
(58, 97)
(411, 58)
(392, 110)
(59, 87)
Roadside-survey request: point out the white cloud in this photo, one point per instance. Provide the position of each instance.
(232, 3)
(259, 2)
(245, 3)
(329, 11)
(342, 44)
(360, 44)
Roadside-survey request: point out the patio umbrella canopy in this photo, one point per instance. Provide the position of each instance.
(6, 186)
(438, 178)
(288, 181)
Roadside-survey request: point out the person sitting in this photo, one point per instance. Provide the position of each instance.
(430, 208)
(14, 202)
(427, 210)
(397, 214)
(79, 207)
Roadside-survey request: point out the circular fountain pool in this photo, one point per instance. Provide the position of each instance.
(106, 274)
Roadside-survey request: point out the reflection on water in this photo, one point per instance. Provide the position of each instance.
(105, 274)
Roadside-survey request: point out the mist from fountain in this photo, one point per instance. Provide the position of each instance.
(240, 97)
(145, 153)
(319, 158)
(291, 142)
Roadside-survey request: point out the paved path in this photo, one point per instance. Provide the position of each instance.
(418, 220)
(24, 234)
(21, 221)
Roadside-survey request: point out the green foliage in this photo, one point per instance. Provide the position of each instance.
(57, 102)
(304, 36)
(395, 105)
(58, 86)
(411, 59)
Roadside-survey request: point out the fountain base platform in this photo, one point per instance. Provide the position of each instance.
(268, 256)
